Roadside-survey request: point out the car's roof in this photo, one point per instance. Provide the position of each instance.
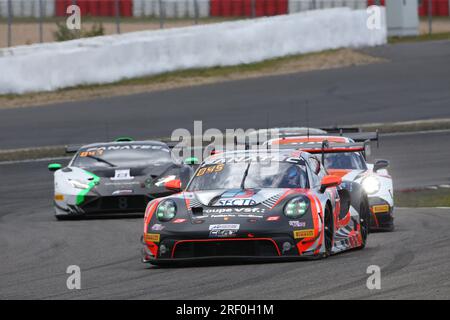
(274, 155)
(125, 143)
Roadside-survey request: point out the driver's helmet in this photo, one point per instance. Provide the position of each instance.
(292, 178)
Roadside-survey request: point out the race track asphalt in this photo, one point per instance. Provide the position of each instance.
(414, 260)
(37, 249)
(414, 85)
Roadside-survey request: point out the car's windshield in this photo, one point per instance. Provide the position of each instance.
(130, 155)
(260, 175)
(346, 160)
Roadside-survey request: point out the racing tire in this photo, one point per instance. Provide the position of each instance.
(328, 231)
(364, 212)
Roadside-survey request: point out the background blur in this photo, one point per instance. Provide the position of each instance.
(25, 22)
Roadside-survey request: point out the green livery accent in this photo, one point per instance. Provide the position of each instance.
(92, 184)
(191, 161)
(124, 139)
(54, 166)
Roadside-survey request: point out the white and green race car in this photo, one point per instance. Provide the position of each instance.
(116, 178)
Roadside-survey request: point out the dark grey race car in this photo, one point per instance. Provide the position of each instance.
(117, 177)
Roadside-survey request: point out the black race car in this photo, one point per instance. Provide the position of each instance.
(256, 205)
(118, 177)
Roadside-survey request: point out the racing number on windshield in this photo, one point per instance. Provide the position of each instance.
(91, 153)
(210, 169)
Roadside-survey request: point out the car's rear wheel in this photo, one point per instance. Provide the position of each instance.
(328, 231)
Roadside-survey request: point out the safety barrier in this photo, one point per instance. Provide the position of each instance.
(108, 59)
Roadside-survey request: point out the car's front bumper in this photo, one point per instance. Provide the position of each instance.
(175, 252)
(382, 215)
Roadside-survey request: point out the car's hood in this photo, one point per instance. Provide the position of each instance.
(118, 173)
(234, 197)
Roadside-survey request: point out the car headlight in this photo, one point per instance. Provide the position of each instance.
(371, 185)
(296, 208)
(78, 184)
(166, 210)
(165, 179)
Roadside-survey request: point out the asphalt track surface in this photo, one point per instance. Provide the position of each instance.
(414, 260)
(37, 249)
(414, 85)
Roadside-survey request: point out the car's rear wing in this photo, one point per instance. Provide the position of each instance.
(354, 133)
(328, 147)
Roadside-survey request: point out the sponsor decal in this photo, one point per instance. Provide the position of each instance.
(179, 220)
(223, 230)
(297, 224)
(273, 218)
(235, 202)
(122, 192)
(236, 215)
(122, 184)
(235, 210)
(153, 237)
(309, 233)
(380, 208)
(157, 227)
(122, 175)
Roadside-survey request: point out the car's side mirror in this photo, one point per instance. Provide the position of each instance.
(380, 164)
(330, 181)
(191, 161)
(54, 167)
(173, 185)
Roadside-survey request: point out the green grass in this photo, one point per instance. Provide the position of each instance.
(420, 38)
(438, 124)
(203, 73)
(423, 198)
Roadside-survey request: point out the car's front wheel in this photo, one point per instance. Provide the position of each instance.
(364, 222)
(328, 231)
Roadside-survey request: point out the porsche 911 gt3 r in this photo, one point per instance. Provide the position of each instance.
(256, 205)
(344, 158)
(118, 177)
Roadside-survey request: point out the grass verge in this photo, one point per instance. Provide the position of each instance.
(408, 126)
(420, 38)
(423, 198)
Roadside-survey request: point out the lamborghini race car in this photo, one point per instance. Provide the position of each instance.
(117, 177)
(251, 205)
(345, 158)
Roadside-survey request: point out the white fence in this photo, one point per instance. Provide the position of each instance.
(27, 8)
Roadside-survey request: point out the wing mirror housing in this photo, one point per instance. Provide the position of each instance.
(52, 167)
(329, 182)
(173, 185)
(191, 161)
(380, 164)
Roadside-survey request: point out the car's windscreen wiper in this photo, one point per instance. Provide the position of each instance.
(102, 160)
(245, 176)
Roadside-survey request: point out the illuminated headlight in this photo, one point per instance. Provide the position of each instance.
(161, 181)
(78, 184)
(166, 210)
(296, 208)
(371, 185)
